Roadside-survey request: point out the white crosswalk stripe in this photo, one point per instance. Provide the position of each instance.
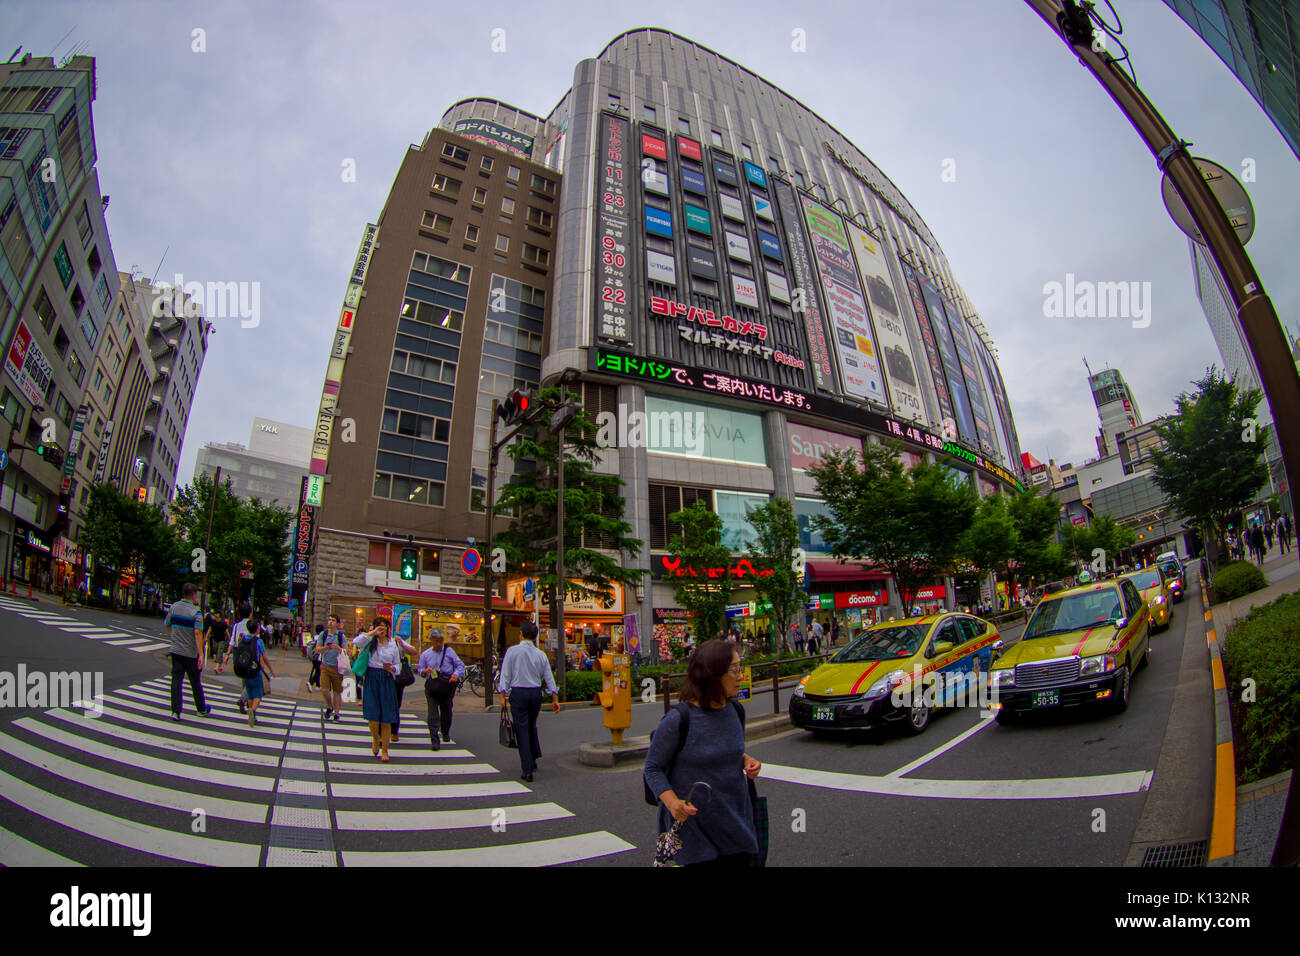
(138, 642)
(132, 786)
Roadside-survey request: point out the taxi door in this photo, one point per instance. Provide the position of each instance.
(1138, 630)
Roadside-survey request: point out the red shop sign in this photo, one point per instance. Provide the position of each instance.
(848, 599)
(935, 593)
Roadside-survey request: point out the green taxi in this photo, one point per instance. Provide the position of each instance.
(1156, 590)
(1080, 647)
(897, 673)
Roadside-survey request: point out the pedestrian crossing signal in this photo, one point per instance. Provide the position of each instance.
(408, 564)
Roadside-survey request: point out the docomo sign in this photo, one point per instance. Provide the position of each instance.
(672, 566)
(935, 593)
(846, 599)
(809, 445)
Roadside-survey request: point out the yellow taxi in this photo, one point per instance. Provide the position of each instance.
(1081, 646)
(1157, 591)
(897, 673)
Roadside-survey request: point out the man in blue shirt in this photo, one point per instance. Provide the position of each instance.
(185, 631)
(442, 671)
(524, 670)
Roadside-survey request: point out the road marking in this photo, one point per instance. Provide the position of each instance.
(433, 791)
(938, 751)
(449, 819)
(127, 833)
(416, 751)
(1054, 788)
(15, 851)
(571, 849)
(151, 740)
(148, 647)
(373, 766)
(129, 642)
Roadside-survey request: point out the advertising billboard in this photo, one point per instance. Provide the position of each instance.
(693, 182)
(697, 220)
(934, 303)
(659, 221)
(819, 355)
(732, 207)
(770, 245)
(931, 346)
(613, 233)
(738, 247)
(745, 291)
(704, 264)
(725, 173)
(895, 347)
(660, 268)
(962, 336)
(778, 288)
(494, 134)
(762, 208)
(756, 175)
(809, 444)
(695, 430)
(27, 365)
(851, 334)
(689, 149)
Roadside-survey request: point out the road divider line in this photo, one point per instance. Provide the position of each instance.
(1051, 788)
(570, 849)
(433, 791)
(449, 819)
(373, 766)
(15, 851)
(939, 751)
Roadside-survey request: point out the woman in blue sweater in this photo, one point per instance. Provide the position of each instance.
(721, 832)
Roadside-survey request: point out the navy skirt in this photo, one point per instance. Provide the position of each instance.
(379, 699)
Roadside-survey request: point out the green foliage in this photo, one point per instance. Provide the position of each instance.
(990, 541)
(776, 538)
(699, 547)
(1209, 468)
(581, 685)
(1262, 649)
(1235, 579)
(909, 523)
(124, 534)
(1037, 555)
(593, 508)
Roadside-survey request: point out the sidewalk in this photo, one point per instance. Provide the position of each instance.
(1259, 806)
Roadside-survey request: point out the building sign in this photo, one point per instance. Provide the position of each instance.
(669, 615)
(659, 222)
(725, 173)
(962, 336)
(61, 261)
(853, 339)
(74, 447)
(613, 271)
(936, 593)
(809, 445)
(315, 490)
(694, 182)
(26, 364)
(653, 146)
(930, 345)
(670, 566)
(690, 149)
(936, 306)
(778, 288)
(66, 551)
(770, 245)
(35, 542)
(729, 343)
(848, 599)
(738, 247)
(593, 604)
(655, 182)
(501, 137)
(320, 442)
(660, 268)
(697, 220)
(733, 509)
(756, 175)
(895, 347)
(762, 208)
(801, 271)
(302, 539)
(732, 207)
(706, 317)
(101, 462)
(361, 265)
(698, 431)
(704, 264)
(745, 291)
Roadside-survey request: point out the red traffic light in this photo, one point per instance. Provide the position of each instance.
(512, 410)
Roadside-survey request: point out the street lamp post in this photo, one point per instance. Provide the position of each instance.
(1256, 316)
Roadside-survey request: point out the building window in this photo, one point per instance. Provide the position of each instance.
(77, 301)
(45, 310)
(512, 174)
(503, 243)
(536, 255)
(798, 179)
(454, 152)
(417, 491)
(92, 261)
(61, 342)
(437, 316)
(614, 101)
(446, 185)
(83, 224)
(513, 337)
(486, 164)
(103, 292)
(539, 184)
(715, 137)
(63, 409)
(76, 369)
(480, 198)
(507, 206)
(11, 410)
(748, 153)
(438, 223)
(683, 126)
(648, 113)
(471, 233)
(539, 218)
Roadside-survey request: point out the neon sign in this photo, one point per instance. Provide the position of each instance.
(672, 566)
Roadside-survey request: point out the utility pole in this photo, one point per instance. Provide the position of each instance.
(563, 414)
(489, 681)
(207, 541)
(1256, 316)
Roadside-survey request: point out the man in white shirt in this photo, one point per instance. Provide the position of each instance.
(524, 670)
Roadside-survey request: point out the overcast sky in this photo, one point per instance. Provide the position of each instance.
(230, 160)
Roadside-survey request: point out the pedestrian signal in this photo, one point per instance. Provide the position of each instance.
(409, 556)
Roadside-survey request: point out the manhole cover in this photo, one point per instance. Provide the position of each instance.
(1177, 854)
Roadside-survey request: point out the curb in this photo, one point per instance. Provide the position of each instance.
(1223, 832)
(635, 748)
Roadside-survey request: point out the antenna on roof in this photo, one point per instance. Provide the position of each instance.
(1087, 366)
(160, 262)
(14, 55)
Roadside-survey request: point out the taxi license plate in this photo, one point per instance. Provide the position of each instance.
(823, 713)
(1046, 698)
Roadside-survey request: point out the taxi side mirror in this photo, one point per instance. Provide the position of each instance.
(943, 647)
(1120, 622)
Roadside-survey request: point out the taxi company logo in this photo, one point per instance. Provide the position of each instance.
(75, 909)
(659, 430)
(1085, 299)
(971, 688)
(70, 690)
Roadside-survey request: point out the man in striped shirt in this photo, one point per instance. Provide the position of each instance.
(185, 630)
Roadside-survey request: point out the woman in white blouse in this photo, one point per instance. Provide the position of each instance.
(379, 699)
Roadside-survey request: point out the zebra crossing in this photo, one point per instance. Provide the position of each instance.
(134, 787)
(114, 638)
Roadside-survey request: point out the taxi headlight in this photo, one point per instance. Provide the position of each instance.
(799, 689)
(1159, 599)
(1097, 665)
(1006, 677)
(883, 686)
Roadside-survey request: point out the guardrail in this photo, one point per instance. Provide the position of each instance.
(774, 666)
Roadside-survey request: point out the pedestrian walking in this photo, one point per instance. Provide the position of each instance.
(249, 650)
(185, 630)
(702, 741)
(442, 671)
(402, 663)
(329, 642)
(524, 671)
(815, 634)
(1284, 533)
(1257, 543)
(797, 631)
(1268, 534)
(379, 700)
(217, 635)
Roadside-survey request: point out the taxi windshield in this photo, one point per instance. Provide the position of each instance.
(884, 644)
(1171, 568)
(1076, 612)
(1147, 579)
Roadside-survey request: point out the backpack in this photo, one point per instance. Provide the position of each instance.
(683, 729)
(246, 665)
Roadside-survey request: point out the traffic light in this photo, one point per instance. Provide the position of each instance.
(513, 409)
(51, 453)
(409, 556)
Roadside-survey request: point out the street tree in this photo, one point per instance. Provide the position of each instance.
(704, 585)
(990, 542)
(106, 532)
(776, 539)
(1037, 556)
(907, 523)
(1211, 464)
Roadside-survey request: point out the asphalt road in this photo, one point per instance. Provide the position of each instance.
(124, 788)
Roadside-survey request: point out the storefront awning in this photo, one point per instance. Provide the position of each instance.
(826, 571)
(443, 597)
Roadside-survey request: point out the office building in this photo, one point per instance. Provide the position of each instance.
(270, 468)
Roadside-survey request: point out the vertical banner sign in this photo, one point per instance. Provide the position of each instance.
(819, 359)
(932, 355)
(951, 363)
(896, 357)
(74, 446)
(102, 461)
(851, 333)
(320, 446)
(26, 364)
(613, 278)
(631, 634)
(963, 336)
(1004, 410)
(302, 538)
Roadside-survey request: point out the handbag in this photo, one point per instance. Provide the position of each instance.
(405, 677)
(762, 830)
(506, 730)
(436, 684)
(361, 662)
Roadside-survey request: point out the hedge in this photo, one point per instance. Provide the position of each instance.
(581, 685)
(1235, 579)
(1261, 649)
(656, 671)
